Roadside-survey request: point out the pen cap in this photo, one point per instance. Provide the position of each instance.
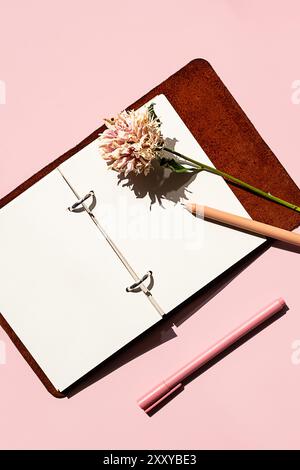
(159, 393)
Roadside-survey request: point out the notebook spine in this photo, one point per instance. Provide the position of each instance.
(81, 205)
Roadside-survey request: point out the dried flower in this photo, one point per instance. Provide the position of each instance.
(131, 141)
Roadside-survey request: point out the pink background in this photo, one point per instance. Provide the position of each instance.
(66, 64)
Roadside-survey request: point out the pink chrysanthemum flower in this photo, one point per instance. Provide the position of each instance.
(131, 141)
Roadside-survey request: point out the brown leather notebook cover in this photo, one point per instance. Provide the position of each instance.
(230, 141)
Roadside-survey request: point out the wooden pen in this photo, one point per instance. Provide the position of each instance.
(243, 223)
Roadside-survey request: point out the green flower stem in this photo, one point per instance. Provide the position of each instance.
(201, 166)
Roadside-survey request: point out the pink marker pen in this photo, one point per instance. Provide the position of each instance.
(174, 382)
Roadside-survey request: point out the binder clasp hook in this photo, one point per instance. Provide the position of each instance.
(81, 201)
(138, 283)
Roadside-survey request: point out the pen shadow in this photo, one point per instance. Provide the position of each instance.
(286, 246)
(163, 330)
(220, 357)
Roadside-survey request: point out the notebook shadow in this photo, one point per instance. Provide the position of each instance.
(163, 331)
(220, 357)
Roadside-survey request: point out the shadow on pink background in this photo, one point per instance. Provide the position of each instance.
(68, 64)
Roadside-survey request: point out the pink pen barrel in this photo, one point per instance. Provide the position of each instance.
(174, 382)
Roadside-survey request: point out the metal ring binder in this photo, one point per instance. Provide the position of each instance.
(138, 283)
(80, 201)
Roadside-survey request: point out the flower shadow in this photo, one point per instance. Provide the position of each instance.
(161, 183)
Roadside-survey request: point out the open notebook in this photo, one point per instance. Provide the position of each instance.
(63, 289)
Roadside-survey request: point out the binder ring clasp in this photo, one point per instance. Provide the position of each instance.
(138, 283)
(81, 201)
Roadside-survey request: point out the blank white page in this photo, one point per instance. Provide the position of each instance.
(62, 288)
(185, 253)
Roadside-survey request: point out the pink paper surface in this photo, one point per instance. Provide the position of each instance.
(65, 66)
